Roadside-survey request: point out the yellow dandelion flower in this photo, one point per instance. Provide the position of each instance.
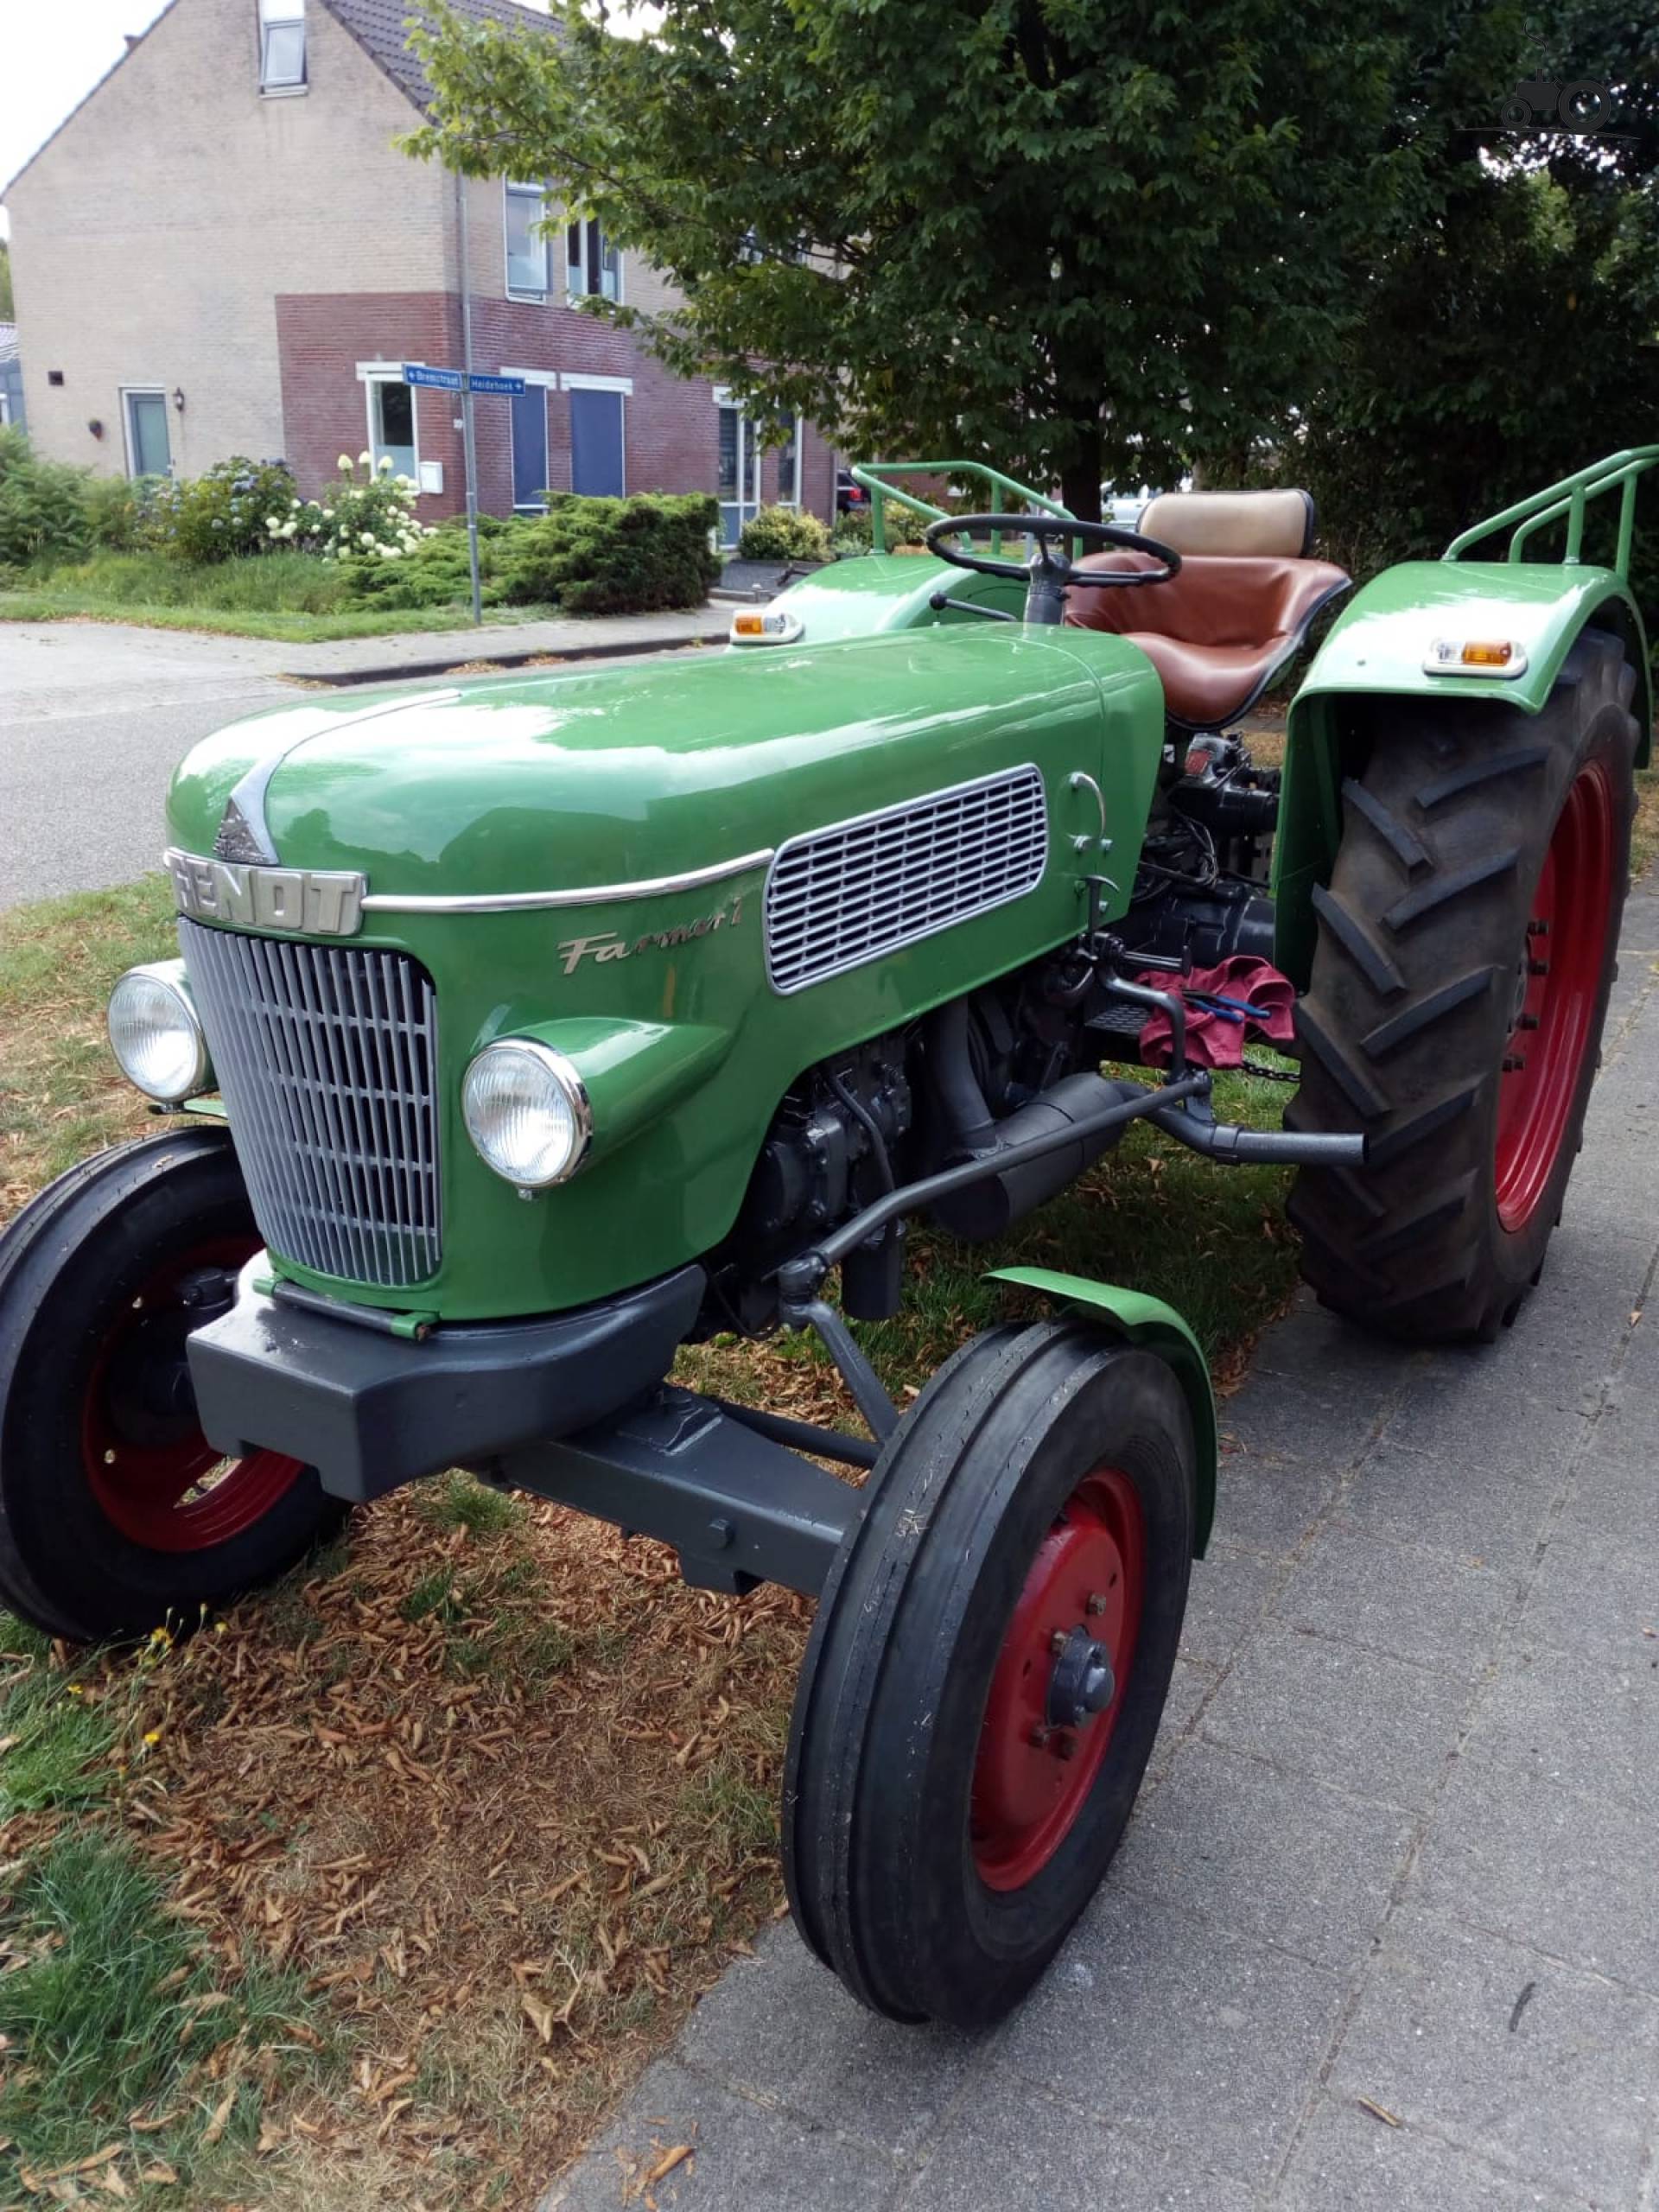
(152, 1736)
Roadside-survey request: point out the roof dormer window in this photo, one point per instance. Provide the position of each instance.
(281, 51)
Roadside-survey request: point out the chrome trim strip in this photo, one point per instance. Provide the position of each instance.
(600, 895)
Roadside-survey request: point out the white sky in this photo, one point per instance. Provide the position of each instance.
(50, 59)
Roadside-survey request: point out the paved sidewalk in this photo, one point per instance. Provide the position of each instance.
(1384, 1933)
(504, 645)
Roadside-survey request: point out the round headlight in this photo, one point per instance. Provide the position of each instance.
(155, 1036)
(526, 1111)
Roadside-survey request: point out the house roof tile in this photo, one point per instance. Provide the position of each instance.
(381, 28)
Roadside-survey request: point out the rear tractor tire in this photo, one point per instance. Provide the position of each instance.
(116, 1514)
(988, 1668)
(1467, 948)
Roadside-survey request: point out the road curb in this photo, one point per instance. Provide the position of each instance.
(617, 649)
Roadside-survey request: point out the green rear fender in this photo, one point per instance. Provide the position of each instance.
(1376, 649)
(1148, 1323)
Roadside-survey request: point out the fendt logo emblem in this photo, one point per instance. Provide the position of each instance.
(610, 946)
(308, 901)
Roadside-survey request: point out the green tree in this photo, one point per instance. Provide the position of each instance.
(1076, 238)
(7, 311)
(1512, 338)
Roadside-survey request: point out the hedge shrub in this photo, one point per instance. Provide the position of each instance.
(617, 557)
(590, 557)
(784, 534)
(435, 572)
(43, 516)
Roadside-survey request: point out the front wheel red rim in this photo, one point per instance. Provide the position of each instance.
(1032, 1779)
(1558, 985)
(152, 1472)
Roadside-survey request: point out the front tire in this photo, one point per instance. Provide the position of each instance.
(1467, 948)
(987, 1671)
(116, 1514)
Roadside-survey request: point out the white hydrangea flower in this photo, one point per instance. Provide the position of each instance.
(365, 538)
(366, 461)
(343, 464)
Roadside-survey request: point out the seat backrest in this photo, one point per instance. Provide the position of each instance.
(1277, 524)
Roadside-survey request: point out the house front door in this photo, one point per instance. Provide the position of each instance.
(149, 451)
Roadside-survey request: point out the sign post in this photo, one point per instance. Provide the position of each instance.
(464, 382)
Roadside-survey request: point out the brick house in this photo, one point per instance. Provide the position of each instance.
(221, 250)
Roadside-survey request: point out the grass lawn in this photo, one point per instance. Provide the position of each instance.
(290, 597)
(449, 1830)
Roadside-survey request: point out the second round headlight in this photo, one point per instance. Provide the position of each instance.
(527, 1112)
(156, 1035)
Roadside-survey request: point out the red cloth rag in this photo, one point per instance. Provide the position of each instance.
(1212, 1041)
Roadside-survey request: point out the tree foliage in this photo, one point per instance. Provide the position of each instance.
(1073, 238)
(1509, 340)
(7, 311)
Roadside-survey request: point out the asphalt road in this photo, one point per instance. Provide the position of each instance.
(93, 721)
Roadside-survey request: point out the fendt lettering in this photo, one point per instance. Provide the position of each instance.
(306, 902)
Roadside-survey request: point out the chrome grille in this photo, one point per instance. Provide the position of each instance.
(328, 1059)
(841, 895)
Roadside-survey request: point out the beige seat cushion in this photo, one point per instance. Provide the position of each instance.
(1276, 524)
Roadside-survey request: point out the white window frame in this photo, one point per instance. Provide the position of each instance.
(791, 498)
(130, 392)
(750, 458)
(516, 188)
(275, 89)
(370, 373)
(576, 265)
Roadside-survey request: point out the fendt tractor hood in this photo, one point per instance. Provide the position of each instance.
(596, 778)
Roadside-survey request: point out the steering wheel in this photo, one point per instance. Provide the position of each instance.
(1053, 569)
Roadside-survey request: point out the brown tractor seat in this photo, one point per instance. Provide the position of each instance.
(1218, 631)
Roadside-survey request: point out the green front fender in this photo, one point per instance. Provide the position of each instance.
(1376, 649)
(1155, 1327)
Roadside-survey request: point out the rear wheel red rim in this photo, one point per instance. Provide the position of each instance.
(1030, 1779)
(1558, 983)
(151, 1470)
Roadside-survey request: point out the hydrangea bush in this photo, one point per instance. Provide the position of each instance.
(363, 518)
(221, 516)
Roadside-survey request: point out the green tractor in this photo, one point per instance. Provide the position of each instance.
(525, 1031)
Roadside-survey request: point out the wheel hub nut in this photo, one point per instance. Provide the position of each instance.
(1081, 1683)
